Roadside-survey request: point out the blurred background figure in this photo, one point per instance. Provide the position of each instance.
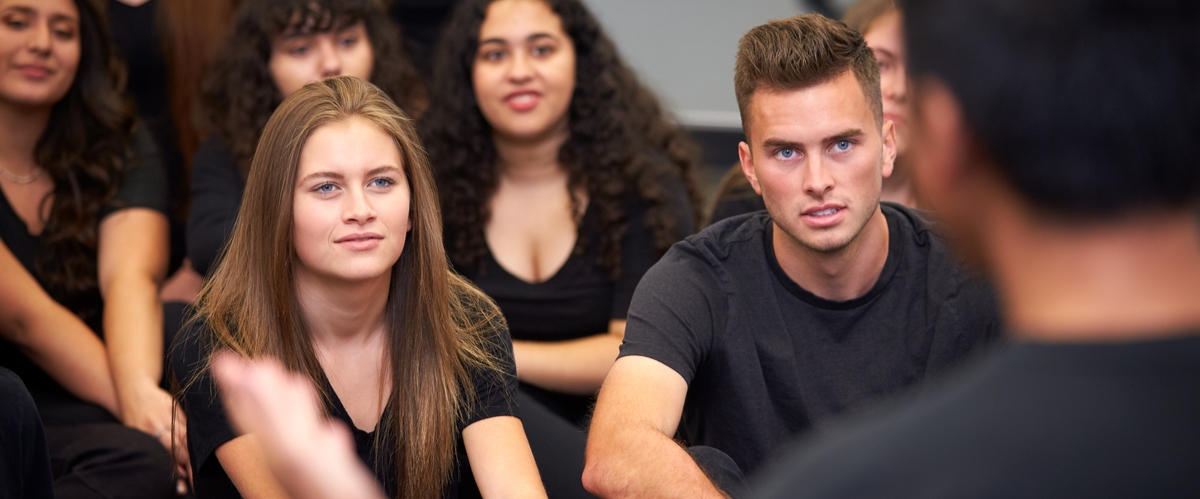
(84, 230)
(275, 48)
(562, 181)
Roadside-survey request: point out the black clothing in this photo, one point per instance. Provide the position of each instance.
(580, 299)
(765, 359)
(24, 461)
(1029, 420)
(142, 187)
(103, 460)
(217, 187)
(135, 35)
(92, 454)
(209, 429)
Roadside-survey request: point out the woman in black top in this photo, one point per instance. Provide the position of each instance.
(276, 47)
(561, 179)
(562, 182)
(84, 249)
(336, 268)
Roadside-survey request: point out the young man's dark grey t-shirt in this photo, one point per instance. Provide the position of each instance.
(766, 360)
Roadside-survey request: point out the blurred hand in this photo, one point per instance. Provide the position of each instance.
(310, 456)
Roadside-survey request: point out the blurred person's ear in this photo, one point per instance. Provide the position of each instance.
(953, 171)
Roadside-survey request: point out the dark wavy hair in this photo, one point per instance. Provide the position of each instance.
(85, 149)
(239, 95)
(620, 139)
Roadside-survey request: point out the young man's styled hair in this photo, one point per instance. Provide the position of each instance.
(1089, 109)
(801, 52)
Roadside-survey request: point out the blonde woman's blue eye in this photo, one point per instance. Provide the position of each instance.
(382, 182)
(324, 188)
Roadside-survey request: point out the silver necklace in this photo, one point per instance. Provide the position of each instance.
(22, 180)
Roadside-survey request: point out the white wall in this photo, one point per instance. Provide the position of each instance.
(684, 49)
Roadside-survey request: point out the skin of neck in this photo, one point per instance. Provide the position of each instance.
(342, 313)
(532, 160)
(1131, 278)
(898, 187)
(22, 126)
(840, 275)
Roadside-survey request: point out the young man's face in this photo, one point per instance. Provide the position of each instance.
(818, 158)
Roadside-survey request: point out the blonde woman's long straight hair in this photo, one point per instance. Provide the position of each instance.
(437, 322)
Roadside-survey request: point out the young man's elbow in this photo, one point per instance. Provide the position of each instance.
(600, 476)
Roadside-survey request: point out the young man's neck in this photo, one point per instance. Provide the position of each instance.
(898, 187)
(1130, 279)
(839, 275)
(531, 160)
(338, 312)
(22, 127)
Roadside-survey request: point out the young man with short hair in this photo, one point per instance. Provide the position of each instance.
(765, 325)
(1063, 161)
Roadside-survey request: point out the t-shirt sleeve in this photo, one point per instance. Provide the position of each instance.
(638, 252)
(144, 184)
(495, 390)
(207, 426)
(677, 309)
(216, 190)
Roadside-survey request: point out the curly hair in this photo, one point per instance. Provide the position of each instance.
(85, 149)
(239, 94)
(620, 139)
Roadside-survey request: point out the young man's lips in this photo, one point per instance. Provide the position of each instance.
(823, 216)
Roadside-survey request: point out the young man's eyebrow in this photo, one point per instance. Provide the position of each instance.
(848, 134)
(781, 143)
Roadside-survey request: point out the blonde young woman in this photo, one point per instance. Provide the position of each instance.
(336, 268)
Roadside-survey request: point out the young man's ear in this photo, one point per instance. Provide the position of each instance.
(889, 148)
(747, 160)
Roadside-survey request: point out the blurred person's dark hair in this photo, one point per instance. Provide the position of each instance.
(619, 137)
(193, 31)
(1087, 107)
(85, 149)
(801, 52)
(239, 93)
(860, 15)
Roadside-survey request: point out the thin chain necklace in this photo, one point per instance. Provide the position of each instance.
(22, 180)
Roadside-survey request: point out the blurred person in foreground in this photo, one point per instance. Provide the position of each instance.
(1056, 141)
(770, 324)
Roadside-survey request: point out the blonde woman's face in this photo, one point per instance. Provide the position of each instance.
(300, 59)
(351, 204)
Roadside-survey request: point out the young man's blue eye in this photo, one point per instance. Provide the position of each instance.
(787, 153)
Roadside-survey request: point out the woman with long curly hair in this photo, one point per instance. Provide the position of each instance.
(83, 251)
(276, 47)
(562, 182)
(336, 268)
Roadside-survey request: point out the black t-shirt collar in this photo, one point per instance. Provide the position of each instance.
(894, 257)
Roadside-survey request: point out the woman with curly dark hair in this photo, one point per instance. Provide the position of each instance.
(276, 47)
(562, 182)
(83, 251)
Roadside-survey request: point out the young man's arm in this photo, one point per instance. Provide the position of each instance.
(630, 451)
